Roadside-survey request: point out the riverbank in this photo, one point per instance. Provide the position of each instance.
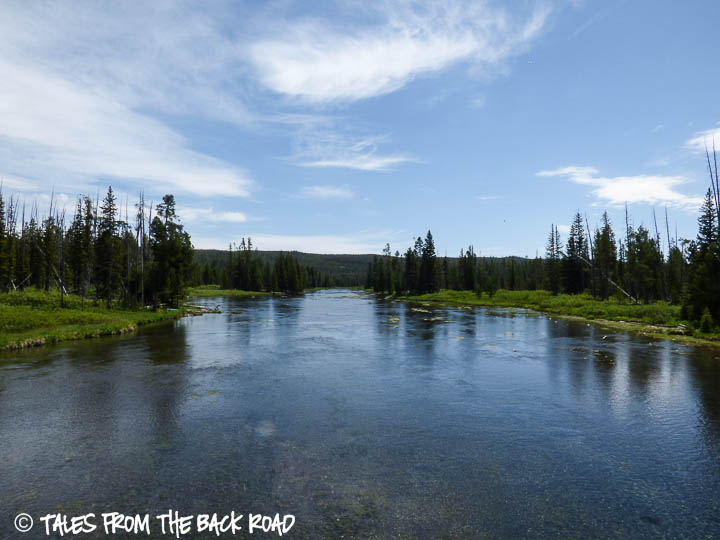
(31, 318)
(658, 320)
(209, 291)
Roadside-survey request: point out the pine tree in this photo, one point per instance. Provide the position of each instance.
(703, 289)
(411, 270)
(428, 264)
(574, 264)
(467, 269)
(106, 261)
(172, 253)
(605, 257)
(553, 249)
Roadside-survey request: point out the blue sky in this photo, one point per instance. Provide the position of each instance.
(342, 126)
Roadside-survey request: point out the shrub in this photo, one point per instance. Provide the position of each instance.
(706, 322)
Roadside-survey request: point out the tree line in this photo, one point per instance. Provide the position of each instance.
(98, 253)
(633, 266)
(245, 269)
(106, 256)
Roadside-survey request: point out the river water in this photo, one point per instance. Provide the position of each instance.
(366, 418)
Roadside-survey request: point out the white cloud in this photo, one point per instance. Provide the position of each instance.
(326, 192)
(703, 140)
(318, 62)
(616, 191)
(360, 162)
(488, 197)
(77, 82)
(324, 146)
(657, 128)
(188, 214)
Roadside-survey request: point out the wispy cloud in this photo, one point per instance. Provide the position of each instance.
(616, 191)
(325, 146)
(82, 87)
(596, 18)
(488, 197)
(326, 192)
(657, 128)
(704, 139)
(319, 62)
(194, 215)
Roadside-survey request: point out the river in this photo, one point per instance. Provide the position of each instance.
(366, 418)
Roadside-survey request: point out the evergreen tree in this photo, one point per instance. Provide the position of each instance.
(428, 266)
(411, 271)
(576, 255)
(553, 249)
(107, 261)
(605, 258)
(467, 269)
(172, 253)
(703, 289)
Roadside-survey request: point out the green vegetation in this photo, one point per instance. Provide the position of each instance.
(331, 270)
(93, 277)
(209, 291)
(246, 269)
(659, 319)
(99, 254)
(581, 305)
(34, 317)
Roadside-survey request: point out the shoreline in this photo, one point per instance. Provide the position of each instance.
(52, 335)
(44, 322)
(670, 332)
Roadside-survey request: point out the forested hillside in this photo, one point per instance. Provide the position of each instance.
(341, 270)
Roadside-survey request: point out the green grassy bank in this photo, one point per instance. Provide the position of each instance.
(659, 319)
(208, 291)
(31, 317)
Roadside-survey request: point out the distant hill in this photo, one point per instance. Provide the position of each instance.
(342, 269)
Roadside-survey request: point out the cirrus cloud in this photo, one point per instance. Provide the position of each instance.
(317, 62)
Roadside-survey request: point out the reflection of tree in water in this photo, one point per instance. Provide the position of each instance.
(704, 371)
(570, 347)
(388, 317)
(165, 354)
(644, 361)
(605, 358)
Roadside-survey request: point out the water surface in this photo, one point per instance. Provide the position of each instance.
(370, 419)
